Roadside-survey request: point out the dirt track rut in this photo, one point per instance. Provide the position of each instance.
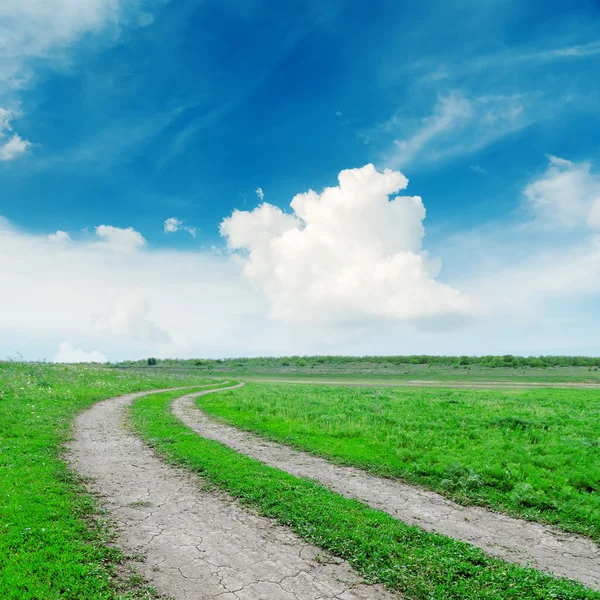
(198, 544)
(518, 541)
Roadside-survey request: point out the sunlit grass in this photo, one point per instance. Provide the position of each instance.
(532, 453)
(419, 564)
(53, 543)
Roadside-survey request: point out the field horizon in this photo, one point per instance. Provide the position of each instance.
(389, 370)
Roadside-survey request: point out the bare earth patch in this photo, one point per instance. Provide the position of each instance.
(516, 540)
(198, 544)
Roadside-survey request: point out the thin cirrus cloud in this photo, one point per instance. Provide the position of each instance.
(348, 253)
(514, 58)
(42, 33)
(457, 125)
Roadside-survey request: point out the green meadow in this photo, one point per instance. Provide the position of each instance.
(535, 453)
(418, 564)
(530, 453)
(54, 544)
(389, 369)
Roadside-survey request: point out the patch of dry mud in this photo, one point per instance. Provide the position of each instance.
(198, 544)
(523, 542)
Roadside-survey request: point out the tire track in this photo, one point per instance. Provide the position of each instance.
(198, 544)
(515, 540)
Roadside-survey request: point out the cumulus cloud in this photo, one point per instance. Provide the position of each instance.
(12, 145)
(172, 224)
(566, 196)
(120, 240)
(69, 354)
(260, 193)
(347, 253)
(59, 236)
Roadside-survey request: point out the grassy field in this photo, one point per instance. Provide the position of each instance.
(444, 373)
(530, 453)
(53, 545)
(420, 564)
(382, 369)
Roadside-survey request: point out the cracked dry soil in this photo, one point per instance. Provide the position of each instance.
(199, 544)
(515, 540)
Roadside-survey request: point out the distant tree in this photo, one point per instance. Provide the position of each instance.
(152, 361)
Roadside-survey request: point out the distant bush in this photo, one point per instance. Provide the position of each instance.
(488, 361)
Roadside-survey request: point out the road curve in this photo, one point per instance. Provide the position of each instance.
(198, 544)
(516, 540)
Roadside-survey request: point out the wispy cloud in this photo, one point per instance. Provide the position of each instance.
(478, 169)
(42, 34)
(577, 51)
(457, 126)
(440, 69)
(565, 196)
(12, 145)
(259, 192)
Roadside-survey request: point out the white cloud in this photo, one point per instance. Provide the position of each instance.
(39, 28)
(347, 253)
(59, 237)
(345, 273)
(577, 51)
(138, 302)
(129, 317)
(594, 216)
(172, 224)
(498, 62)
(38, 34)
(12, 145)
(457, 126)
(260, 193)
(120, 240)
(566, 196)
(68, 354)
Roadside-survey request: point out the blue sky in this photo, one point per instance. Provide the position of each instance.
(126, 113)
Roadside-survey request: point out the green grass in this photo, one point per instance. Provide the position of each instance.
(531, 453)
(388, 369)
(420, 564)
(53, 542)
